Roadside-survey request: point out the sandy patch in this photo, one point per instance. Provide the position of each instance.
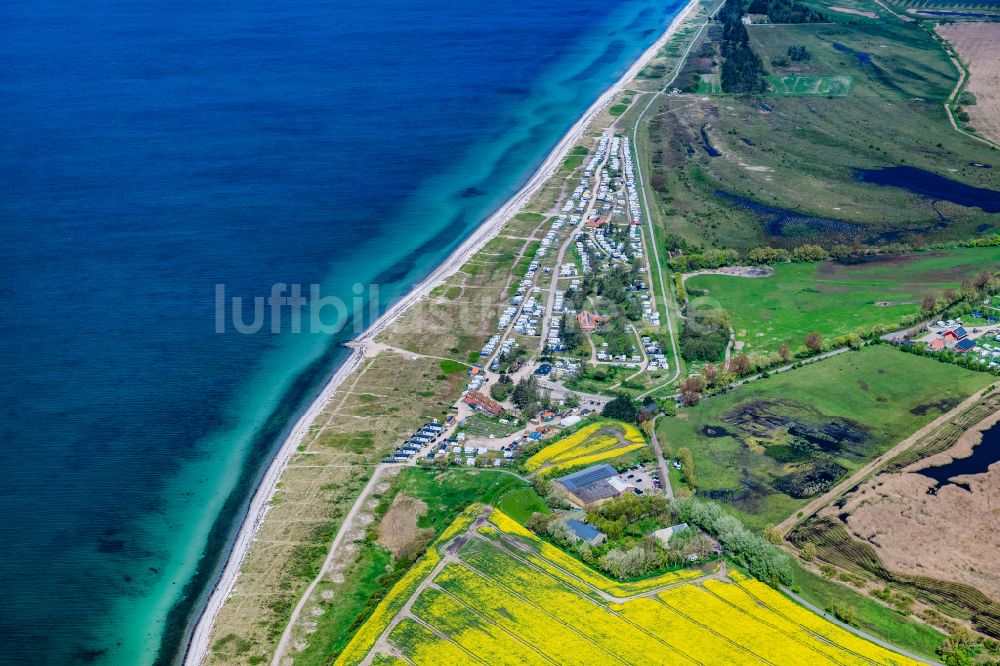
(734, 271)
(856, 12)
(398, 532)
(976, 44)
(757, 168)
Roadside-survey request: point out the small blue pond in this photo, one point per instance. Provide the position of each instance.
(863, 58)
(932, 186)
(983, 455)
(707, 145)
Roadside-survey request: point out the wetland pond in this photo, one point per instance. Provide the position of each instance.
(983, 455)
(932, 186)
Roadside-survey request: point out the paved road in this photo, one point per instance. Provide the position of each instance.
(652, 243)
(661, 463)
(554, 285)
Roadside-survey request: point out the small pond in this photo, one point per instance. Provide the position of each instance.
(983, 455)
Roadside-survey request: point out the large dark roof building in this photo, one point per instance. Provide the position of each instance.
(593, 486)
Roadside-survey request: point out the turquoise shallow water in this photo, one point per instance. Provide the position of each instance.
(163, 148)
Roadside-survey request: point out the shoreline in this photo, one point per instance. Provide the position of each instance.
(197, 644)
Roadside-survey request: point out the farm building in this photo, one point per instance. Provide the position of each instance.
(956, 334)
(593, 486)
(590, 321)
(667, 532)
(965, 345)
(483, 403)
(586, 532)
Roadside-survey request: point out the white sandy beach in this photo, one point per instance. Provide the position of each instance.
(199, 642)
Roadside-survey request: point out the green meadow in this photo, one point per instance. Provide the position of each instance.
(768, 447)
(832, 298)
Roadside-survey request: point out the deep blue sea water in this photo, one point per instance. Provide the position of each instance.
(150, 150)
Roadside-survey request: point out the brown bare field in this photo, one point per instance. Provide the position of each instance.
(976, 44)
(952, 535)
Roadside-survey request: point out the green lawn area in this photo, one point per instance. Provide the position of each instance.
(450, 367)
(871, 616)
(520, 504)
(832, 298)
(768, 447)
(484, 426)
(371, 574)
(709, 84)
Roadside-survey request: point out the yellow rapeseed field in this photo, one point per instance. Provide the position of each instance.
(504, 605)
(586, 460)
(779, 604)
(582, 444)
(559, 641)
(467, 628)
(422, 646)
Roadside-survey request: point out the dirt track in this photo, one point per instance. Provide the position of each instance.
(976, 43)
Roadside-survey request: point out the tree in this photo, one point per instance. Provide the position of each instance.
(809, 252)
(711, 373)
(526, 396)
(622, 408)
(841, 252)
(785, 352)
(538, 523)
(767, 255)
(929, 304)
(687, 467)
(814, 342)
(691, 390)
(501, 391)
(772, 534)
(739, 364)
(808, 552)
(572, 336)
(799, 53)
